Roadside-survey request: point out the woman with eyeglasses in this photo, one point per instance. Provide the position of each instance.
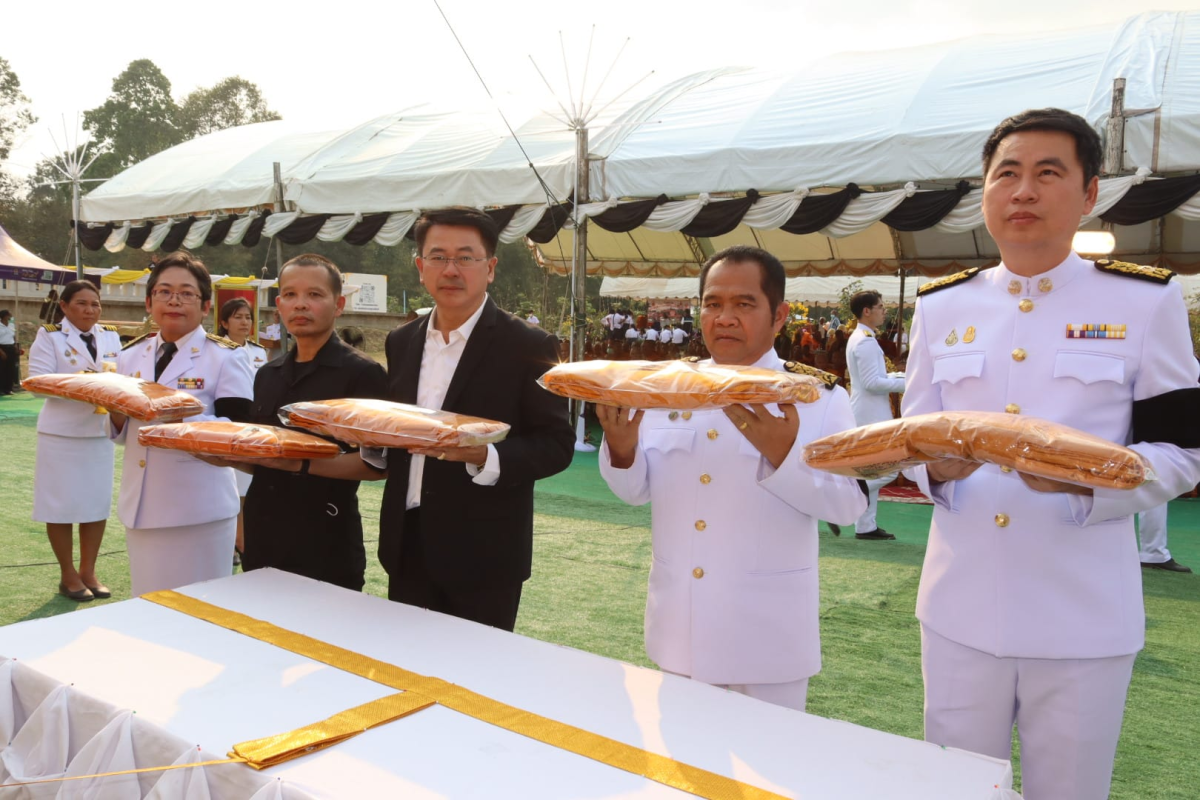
(236, 323)
(73, 479)
(180, 513)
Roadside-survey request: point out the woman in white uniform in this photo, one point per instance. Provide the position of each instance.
(180, 514)
(236, 323)
(73, 480)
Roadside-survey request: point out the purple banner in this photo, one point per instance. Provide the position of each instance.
(53, 277)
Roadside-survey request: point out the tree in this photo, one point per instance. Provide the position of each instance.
(230, 102)
(15, 117)
(137, 120)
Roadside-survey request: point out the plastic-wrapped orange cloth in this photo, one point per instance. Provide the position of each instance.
(381, 423)
(1026, 444)
(683, 385)
(134, 397)
(238, 439)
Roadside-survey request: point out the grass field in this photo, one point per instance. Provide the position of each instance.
(591, 556)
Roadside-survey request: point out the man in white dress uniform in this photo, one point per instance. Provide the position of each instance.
(733, 597)
(1031, 599)
(870, 387)
(180, 514)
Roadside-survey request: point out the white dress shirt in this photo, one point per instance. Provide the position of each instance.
(678, 335)
(8, 334)
(438, 363)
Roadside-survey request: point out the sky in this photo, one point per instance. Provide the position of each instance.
(337, 65)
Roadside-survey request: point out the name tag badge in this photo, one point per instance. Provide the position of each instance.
(190, 383)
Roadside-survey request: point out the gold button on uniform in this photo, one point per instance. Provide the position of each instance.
(706, 479)
(1014, 287)
(1002, 520)
(142, 463)
(1006, 469)
(1045, 285)
(712, 433)
(1019, 354)
(697, 573)
(1012, 408)
(687, 415)
(1025, 305)
(701, 524)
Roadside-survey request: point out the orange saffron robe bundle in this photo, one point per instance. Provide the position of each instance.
(238, 439)
(133, 397)
(683, 385)
(1026, 444)
(381, 423)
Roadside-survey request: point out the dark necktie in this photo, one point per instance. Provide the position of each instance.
(168, 350)
(90, 340)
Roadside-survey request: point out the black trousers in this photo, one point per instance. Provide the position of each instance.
(493, 604)
(10, 369)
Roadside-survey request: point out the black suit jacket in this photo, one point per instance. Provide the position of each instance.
(474, 534)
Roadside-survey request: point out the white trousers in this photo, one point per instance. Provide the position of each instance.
(167, 558)
(1068, 713)
(1152, 533)
(793, 694)
(866, 523)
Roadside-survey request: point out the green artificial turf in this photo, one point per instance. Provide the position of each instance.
(588, 590)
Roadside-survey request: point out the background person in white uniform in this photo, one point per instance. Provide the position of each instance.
(180, 514)
(1152, 541)
(236, 323)
(73, 479)
(870, 385)
(733, 598)
(1030, 599)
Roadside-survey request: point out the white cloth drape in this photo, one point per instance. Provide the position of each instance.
(335, 228)
(157, 234)
(397, 225)
(237, 231)
(673, 216)
(523, 222)
(867, 209)
(1190, 210)
(966, 216)
(116, 240)
(1112, 190)
(198, 233)
(278, 221)
(772, 212)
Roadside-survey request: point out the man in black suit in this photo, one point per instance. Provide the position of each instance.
(456, 528)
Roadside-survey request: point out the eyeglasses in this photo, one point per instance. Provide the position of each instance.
(186, 297)
(463, 262)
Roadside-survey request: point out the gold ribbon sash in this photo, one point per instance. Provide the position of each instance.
(421, 691)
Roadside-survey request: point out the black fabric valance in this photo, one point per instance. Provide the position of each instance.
(255, 229)
(627, 216)
(820, 210)
(720, 217)
(219, 230)
(93, 238)
(175, 236)
(551, 222)
(925, 209)
(1151, 200)
(365, 231)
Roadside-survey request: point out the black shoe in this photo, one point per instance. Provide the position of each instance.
(836, 529)
(1171, 565)
(79, 596)
(100, 591)
(877, 534)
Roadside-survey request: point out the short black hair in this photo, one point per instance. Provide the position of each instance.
(228, 309)
(1087, 142)
(861, 301)
(5, 313)
(183, 260)
(462, 217)
(314, 260)
(774, 278)
(75, 287)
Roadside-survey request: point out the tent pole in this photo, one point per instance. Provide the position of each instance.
(579, 275)
(900, 312)
(75, 227)
(283, 334)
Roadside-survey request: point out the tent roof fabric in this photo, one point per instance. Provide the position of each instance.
(14, 255)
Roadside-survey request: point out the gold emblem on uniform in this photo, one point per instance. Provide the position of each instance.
(952, 339)
(1045, 285)
(969, 336)
(1025, 305)
(687, 415)
(190, 383)
(674, 415)
(195, 350)
(1014, 287)
(137, 374)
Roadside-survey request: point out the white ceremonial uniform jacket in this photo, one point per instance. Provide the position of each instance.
(256, 354)
(58, 349)
(1014, 572)
(870, 384)
(167, 488)
(733, 583)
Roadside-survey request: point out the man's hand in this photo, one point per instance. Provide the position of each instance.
(950, 469)
(118, 420)
(621, 433)
(476, 455)
(1050, 485)
(771, 435)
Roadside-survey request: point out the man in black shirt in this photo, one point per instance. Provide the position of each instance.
(299, 522)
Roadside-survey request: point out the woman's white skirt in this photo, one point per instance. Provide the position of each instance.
(167, 558)
(72, 479)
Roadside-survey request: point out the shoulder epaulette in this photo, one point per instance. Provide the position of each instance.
(827, 378)
(51, 328)
(691, 359)
(1158, 275)
(139, 339)
(948, 281)
(221, 340)
(112, 328)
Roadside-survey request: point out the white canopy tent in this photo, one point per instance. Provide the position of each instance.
(810, 291)
(904, 126)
